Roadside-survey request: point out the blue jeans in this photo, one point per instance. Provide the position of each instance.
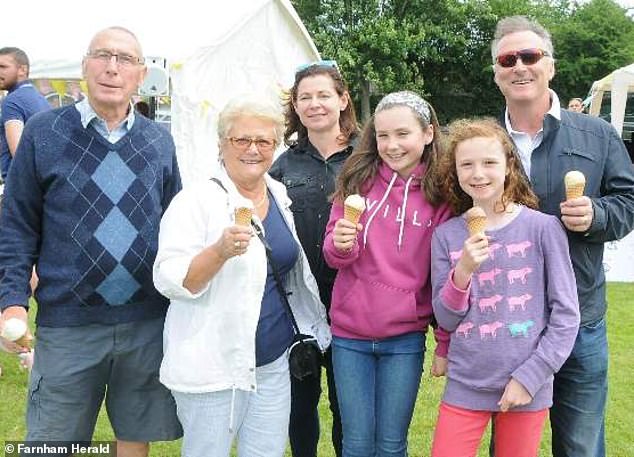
(579, 397)
(377, 383)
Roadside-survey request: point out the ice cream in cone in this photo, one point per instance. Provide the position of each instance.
(16, 330)
(244, 212)
(243, 216)
(476, 220)
(353, 207)
(575, 183)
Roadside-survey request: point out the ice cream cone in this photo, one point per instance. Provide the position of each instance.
(243, 216)
(353, 208)
(476, 220)
(16, 330)
(575, 183)
(25, 341)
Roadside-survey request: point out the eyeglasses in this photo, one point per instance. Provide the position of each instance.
(529, 57)
(318, 63)
(125, 60)
(263, 144)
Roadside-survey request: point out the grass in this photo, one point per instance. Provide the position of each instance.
(619, 427)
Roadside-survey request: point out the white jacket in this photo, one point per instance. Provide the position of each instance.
(209, 337)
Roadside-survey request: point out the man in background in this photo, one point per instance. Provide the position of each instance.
(22, 102)
(576, 105)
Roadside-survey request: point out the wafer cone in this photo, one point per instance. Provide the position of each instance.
(476, 220)
(352, 214)
(353, 208)
(25, 341)
(575, 183)
(243, 216)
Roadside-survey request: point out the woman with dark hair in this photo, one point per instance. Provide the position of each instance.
(319, 112)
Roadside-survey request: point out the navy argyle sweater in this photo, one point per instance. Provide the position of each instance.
(87, 213)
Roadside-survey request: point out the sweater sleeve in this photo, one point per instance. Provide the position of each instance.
(614, 209)
(450, 303)
(20, 223)
(171, 178)
(334, 257)
(560, 333)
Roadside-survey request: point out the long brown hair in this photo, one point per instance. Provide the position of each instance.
(347, 119)
(361, 167)
(516, 186)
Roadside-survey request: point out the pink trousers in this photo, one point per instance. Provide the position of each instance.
(459, 432)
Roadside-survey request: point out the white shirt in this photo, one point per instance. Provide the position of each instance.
(209, 337)
(524, 142)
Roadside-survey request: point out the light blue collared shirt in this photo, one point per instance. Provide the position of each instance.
(89, 115)
(524, 142)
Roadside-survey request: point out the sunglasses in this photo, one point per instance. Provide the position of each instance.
(319, 63)
(528, 56)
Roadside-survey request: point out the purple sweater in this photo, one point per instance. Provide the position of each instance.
(518, 317)
(383, 286)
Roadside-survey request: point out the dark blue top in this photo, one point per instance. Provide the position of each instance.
(275, 332)
(88, 213)
(22, 102)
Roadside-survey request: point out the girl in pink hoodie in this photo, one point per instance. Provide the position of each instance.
(381, 302)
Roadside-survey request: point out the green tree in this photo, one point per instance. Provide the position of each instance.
(441, 48)
(597, 38)
(372, 41)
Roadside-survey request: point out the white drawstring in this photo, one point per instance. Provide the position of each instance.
(385, 195)
(403, 208)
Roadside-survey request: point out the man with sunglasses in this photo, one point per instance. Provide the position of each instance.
(552, 141)
(85, 195)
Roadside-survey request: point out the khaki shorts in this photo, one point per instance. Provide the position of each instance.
(76, 367)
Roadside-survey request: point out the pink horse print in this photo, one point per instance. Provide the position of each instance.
(490, 329)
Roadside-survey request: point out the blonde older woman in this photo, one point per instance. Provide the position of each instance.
(227, 332)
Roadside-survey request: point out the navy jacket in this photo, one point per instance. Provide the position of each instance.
(310, 181)
(592, 146)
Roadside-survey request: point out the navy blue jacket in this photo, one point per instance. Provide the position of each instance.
(310, 181)
(592, 146)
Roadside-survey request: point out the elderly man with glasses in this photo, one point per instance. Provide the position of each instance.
(552, 141)
(83, 202)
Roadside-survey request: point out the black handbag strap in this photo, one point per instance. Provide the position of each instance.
(269, 258)
(276, 275)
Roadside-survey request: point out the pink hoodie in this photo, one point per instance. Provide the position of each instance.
(383, 287)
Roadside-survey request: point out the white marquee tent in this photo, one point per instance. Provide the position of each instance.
(215, 50)
(617, 254)
(619, 83)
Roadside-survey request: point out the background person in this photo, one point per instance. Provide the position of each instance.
(22, 101)
(320, 111)
(507, 295)
(576, 105)
(381, 302)
(227, 330)
(92, 181)
(551, 142)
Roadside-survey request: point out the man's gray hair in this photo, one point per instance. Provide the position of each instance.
(514, 24)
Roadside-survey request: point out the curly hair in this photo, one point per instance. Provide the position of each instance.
(347, 119)
(360, 168)
(516, 187)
